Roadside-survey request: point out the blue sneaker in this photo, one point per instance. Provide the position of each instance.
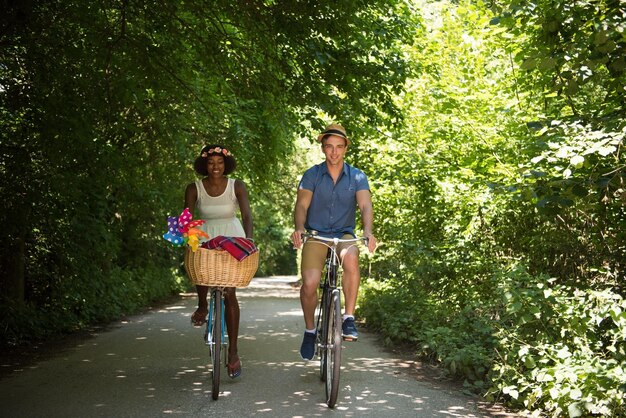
(307, 349)
(348, 330)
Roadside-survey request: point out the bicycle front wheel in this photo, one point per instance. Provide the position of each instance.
(215, 340)
(333, 350)
(322, 332)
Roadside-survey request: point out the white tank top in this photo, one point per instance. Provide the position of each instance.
(219, 213)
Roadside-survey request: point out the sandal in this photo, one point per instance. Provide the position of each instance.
(198, 318)
(234, 369)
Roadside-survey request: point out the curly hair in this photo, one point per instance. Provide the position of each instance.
(200, 165)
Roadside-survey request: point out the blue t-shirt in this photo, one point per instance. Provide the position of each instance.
(333, 206)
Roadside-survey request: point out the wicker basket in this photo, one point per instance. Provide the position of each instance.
(219, 268)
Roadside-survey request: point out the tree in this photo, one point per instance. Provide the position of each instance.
(104, 106)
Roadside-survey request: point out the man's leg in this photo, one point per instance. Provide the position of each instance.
(351, 279)
(350, 283)
(308, 300)
(313, 256)
(308, 296)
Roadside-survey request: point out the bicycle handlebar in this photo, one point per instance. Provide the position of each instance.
(335, 241)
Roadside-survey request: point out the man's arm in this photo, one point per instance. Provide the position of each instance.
(364, 202)
(303, 201)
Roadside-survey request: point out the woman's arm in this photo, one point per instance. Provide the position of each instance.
(244, 207)
(191, 196)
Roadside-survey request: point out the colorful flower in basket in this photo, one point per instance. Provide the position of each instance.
(193, 242)
(193, 237)
(182, 229)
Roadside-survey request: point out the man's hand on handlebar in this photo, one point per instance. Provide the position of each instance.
(296, 238)
(371, 243)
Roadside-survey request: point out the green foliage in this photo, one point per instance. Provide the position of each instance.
(77, 303)
(104, 106)
(572, 57)
(538, 345)
(561, 349)
(575, 177)
(510, 154)
(393, 310)
(498, 145)
(277, 256)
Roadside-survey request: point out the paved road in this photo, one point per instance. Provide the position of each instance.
(156, 364)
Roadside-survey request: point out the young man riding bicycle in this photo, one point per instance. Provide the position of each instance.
(328, 195)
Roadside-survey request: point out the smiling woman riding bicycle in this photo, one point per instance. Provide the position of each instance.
(215, 199)
(328, 195)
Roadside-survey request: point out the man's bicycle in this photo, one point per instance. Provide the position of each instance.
(329, 317)
(218, 270)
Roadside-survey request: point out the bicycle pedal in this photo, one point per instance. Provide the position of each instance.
(351, 339)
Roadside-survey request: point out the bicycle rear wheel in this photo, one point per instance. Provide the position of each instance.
(215, 339)
(333, 349)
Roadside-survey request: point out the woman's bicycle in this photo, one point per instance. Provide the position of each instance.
(215, 337)
(329, 317)
(218, 270)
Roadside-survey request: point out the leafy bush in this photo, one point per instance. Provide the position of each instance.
(77, 304)
(537, 345)
(561, 349)
(429, 312)
(393, 310)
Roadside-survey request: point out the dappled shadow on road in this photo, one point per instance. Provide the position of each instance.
(293, 388)
(157, 363)
(276, 382)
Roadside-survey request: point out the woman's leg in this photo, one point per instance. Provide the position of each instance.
(231, 306)
(199, 316)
